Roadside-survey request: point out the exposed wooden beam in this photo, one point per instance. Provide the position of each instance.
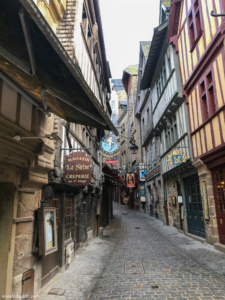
(19, 90)
(14, 60)
(68, 102)
(28, 40)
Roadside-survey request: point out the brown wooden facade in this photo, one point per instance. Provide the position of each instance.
(198, 39)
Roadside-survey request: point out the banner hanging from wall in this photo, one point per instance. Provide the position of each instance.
(78, 167)
(130, 180)
(110, 146)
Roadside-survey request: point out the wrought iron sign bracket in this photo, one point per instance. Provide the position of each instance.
(215, 15)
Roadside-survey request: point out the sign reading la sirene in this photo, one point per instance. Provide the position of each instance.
(78, 169)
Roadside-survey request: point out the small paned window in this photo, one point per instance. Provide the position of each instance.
(194, 24)
(171, 136)
(69, 225)
(208, 101)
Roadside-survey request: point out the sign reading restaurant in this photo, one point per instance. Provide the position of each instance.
(78, 169)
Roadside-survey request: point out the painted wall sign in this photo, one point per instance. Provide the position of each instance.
(205, 200)
(154, 173)
(177, 158)
(78, 169)
(110, 145)
(130, 181)
(111, 162)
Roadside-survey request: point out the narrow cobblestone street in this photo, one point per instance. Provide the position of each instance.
(139, 258)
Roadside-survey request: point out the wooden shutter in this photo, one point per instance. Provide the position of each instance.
(28, 284)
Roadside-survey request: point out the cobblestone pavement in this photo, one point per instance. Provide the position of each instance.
(142, 259)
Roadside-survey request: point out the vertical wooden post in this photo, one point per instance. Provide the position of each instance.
(61, 228)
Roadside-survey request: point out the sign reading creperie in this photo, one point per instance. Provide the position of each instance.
(78, 168)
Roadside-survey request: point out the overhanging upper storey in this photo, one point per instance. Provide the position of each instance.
(32, 56)
(159, 35)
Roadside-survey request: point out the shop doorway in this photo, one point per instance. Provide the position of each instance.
(219, 192)
(6, 222)
(194, 206)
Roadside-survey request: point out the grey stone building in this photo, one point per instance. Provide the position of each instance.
(168, 152)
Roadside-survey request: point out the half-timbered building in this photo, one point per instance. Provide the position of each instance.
(198, 38)
(54, 94)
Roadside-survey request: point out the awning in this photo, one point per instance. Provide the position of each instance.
(32, 56)
(114, 177)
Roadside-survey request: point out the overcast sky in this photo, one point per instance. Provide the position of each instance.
(125, 24)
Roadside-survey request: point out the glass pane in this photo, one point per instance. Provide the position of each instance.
(217, 177)
(200, 207)
(221, 207)
(221, 175)
(49, 230)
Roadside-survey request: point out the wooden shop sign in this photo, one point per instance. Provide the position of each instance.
(78, 169)
(153, 173)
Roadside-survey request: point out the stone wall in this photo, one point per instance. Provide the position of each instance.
(211, 227)
(173, 211)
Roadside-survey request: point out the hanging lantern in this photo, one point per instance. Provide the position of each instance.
(134, 148)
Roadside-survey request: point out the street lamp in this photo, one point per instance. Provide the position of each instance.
(134, 148)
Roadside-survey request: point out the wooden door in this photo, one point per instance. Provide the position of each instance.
(77, 224)
(50, 262)
(219, 192)
(28, 284)
(6, 221)
(194, 206)
(166, 213)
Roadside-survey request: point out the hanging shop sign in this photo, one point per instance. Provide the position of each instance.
(130, 180)
(205, 200)
(110, 146)
(142, 175)
(142, 192)
(111, 162)
(141, 166)
(78, 169)
(177, 158)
